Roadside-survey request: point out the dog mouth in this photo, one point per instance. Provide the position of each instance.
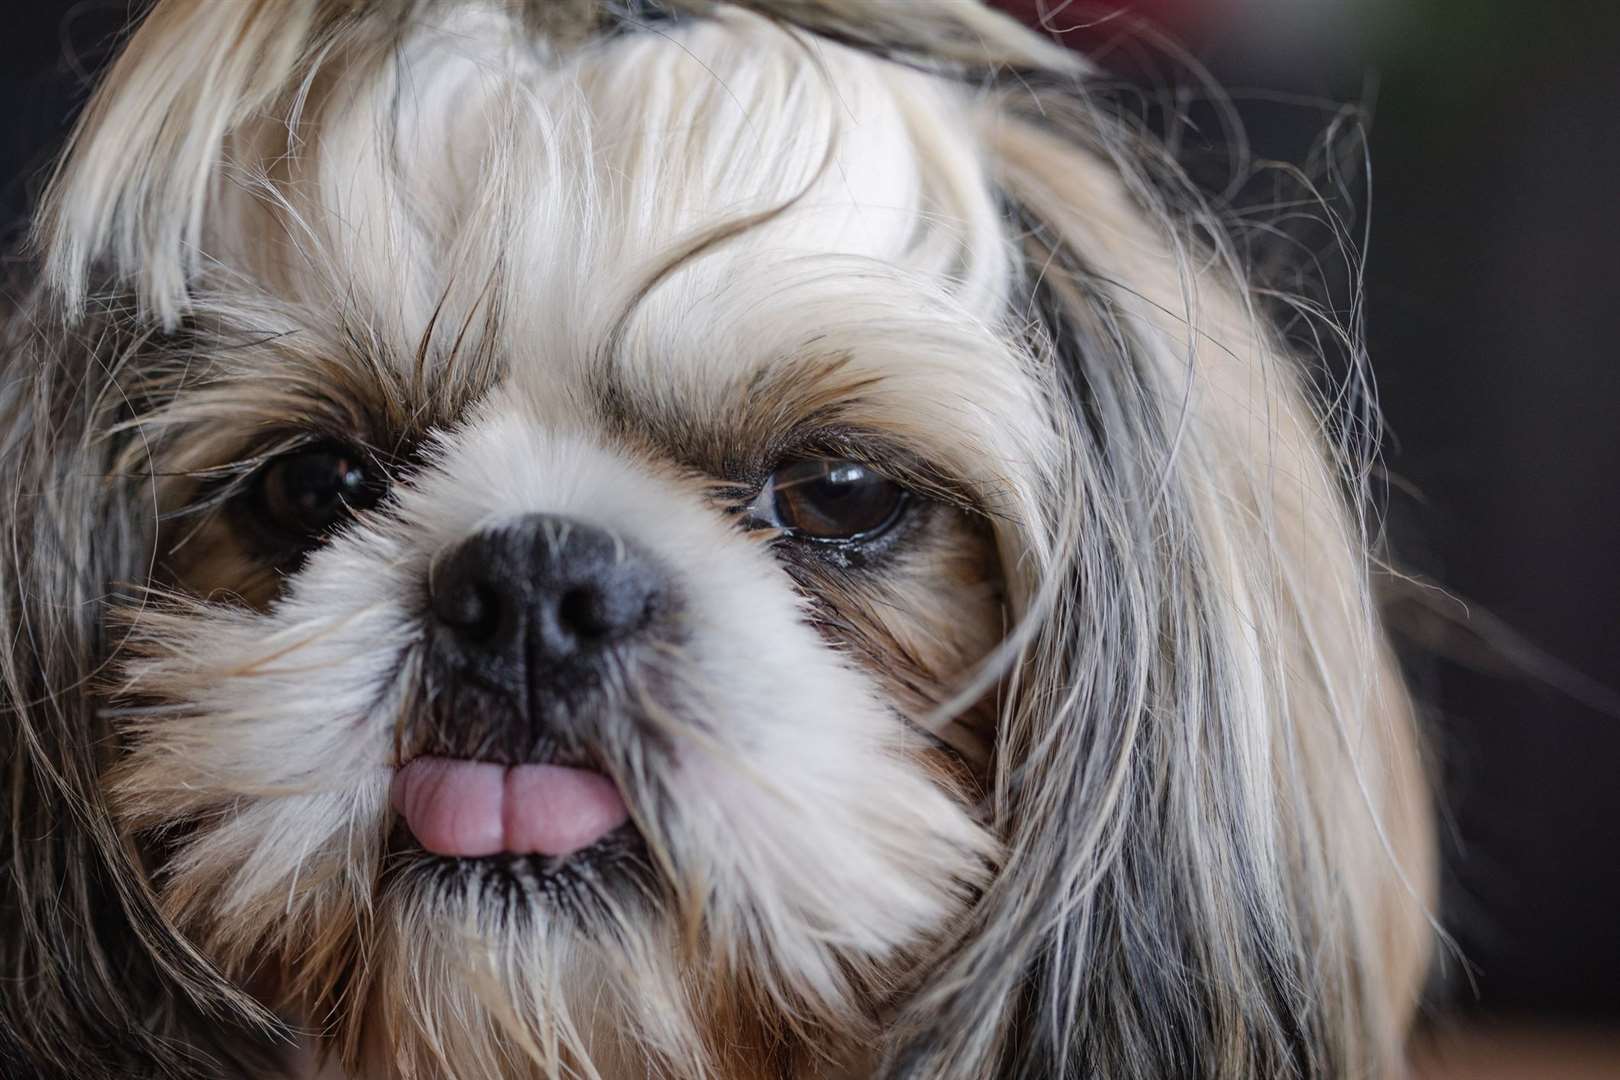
(467, 809)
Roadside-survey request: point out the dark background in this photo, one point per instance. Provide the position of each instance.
(1492, 298)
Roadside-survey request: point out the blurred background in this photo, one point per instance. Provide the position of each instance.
(1480, 141)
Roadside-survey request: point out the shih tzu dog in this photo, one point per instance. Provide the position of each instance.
(688, 540)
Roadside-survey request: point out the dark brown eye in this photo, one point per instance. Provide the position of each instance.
(821, 499)
(303, 495)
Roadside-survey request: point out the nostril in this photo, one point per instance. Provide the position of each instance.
(474, 611)
(587, 611)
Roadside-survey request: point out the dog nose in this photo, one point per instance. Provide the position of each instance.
(543, 591)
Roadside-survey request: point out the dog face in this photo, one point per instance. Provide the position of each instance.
(659, 555)
(642, 609)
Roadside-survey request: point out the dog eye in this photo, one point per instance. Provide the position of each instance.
(825, 499)
(303, 495)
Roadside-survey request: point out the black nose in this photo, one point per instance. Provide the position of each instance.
(541, 593)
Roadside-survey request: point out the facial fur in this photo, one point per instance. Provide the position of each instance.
(1084, 757)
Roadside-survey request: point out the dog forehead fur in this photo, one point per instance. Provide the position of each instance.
(555, 190)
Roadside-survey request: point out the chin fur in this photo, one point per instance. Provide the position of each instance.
(1090, 761)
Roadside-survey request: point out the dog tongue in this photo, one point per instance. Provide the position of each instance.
(472, 808)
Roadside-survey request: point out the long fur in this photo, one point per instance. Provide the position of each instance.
(587, 258)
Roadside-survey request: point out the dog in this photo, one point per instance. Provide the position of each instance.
(768, 538)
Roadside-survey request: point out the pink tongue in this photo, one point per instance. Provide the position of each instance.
(472, 808)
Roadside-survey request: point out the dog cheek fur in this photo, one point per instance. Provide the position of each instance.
(1203, 773)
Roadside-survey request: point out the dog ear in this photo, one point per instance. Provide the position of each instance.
(1206, 780)
(98, 985)
(133, 188)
